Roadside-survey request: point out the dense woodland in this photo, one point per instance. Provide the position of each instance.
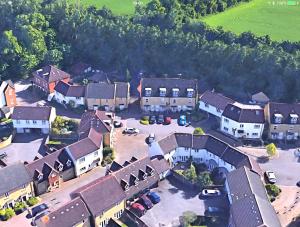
(159, 39)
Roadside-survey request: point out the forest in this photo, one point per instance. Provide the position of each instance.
(160, 38)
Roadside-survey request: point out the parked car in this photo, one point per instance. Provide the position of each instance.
(182, 120)
(138, 209)
(167, 120)
(131, 131)
(146, 202)
(151, 138)
(210, 192)
(39, 216)
(152, 119)
(298, 183)
(118, 124)
(38, 209)
(160, 119)
(271, 178)
(154, 197)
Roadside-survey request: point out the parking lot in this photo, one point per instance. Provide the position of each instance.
(176, 199)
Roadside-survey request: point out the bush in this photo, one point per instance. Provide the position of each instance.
(271, 149)
(19, 207)
(190, 174)
(204, 179)
(7, 214)
(72, 104)
(54, 142)
(144, 122)
(273, 190)
(32, 201)
(145, 118)
(188, 217)
(198, 131)
(108, 155)
(60, 125)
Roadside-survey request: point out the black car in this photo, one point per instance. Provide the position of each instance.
(152, 120)
(298, 183)
(160, 119)
(118, 124)
(38, 209)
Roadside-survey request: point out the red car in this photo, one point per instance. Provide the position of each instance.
(138, 209)
(167, 120)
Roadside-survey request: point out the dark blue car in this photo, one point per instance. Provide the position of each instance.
(154, 197)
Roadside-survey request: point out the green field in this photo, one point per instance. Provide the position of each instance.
(119, 7)
(281, 22)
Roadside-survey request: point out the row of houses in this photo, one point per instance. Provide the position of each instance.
(279, 120)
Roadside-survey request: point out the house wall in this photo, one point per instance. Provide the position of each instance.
(210, 109)
(122, 101)
(23, 124)
(249, 129)
(84, 223)
(16, 195)
(166, 103)
(100, 103)
(66, 99)
(10, 97)
(114, 212)
(43, 84)
(2, 100)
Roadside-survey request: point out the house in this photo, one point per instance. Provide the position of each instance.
(87, 152)
(243, 121)
(73, 213)
(101, 121)
(27, 119)
(16, 185)
(161, 94)
(249, 202)
(214, 103)
(107, 96)
(283, 120)
(104, 198)
(7, 94)
(181, 147)
(49, 172)
(47, 77)
(80, 68)
(260, 98)
(66, 93)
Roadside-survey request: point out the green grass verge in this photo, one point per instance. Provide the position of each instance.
(262, 17)
(119, 7)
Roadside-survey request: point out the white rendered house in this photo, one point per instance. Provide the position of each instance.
(65, 93)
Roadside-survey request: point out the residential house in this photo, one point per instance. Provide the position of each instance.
(104, 198)
(66, 93)
(181, 147)
(249, 202)
(283, 120)
(107, 96)
(101, 121)
(28, 119)
(161, 94)
(214, 103)
(243, 121)
(16, 185)
(7, 94)
(87, 152)
(72, 214)
(49, 172)
(47, 77)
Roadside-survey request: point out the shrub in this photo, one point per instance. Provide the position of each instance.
(273, 190)
(72, 104)
(54, 142)
(9, 213)
(145, 118)
(198, 131)
(271, 149)
(204, 179)
(32, 201)
(108, 155)
(190, 173)
(188, 217)
(144, 122)
(19, 206)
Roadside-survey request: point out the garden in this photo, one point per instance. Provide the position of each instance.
(108, 156)
(64, 127)
(190, 219)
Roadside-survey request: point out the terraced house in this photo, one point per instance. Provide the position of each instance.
(283, 120)
(16, 185)
(161, 94)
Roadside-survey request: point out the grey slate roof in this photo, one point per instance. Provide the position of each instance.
(100, 91)
(169, 83)
(215, 99)
(70, 90)
(13, 177)
(285, 110)
(50, 74)
(244, 113)
(31, 113)
(121, 89)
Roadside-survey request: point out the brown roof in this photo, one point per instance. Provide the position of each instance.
(31, 113)
(285, 110)
(70, 90)
(100, 91)
(216, 99)
(244, 113)
(122, 89)
(101, 194)
(50, 73)
(86, 145)
(133, 171)
(160, 164)
(70, 214)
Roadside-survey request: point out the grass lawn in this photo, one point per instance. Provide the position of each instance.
(120, 7)
(280, 22)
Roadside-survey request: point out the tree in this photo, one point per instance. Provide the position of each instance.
(273, 190)
(188, 218)
(204, 179)
(271, 149)
(198, 131)
(190, 173)
(32, 201)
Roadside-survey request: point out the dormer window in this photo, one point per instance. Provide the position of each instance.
(278, 118)
(294, 118)
(124, 185)
(60, 167)
(133, 180)
(69, 163)
(190, 92)
(142, 175)
(149, 170)
(40, 177)
(148, 91)
(175, 92)
(162, 92)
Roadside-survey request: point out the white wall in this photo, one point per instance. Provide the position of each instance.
(61, 99)
(249, 129)
(2, 100)
(29, 124)
(210, 109)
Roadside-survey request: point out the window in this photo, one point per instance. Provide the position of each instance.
(43, 122)
(6, 194)
(256, 126)
(147, 100)
(186, 148)
(82, 160)
(82, 169)
(206, 105)
(255, 134)
(226, 120)
(226, 129)
(95, 153)
(175, 92)
(18, 122)
(174, 100)
(148, 92)
(69, 163)
(241, 126)
(34, 122)
(27, 121)
(275, 127)
(162, 92)
(24, 186)
(78, 98)
(218, 110)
